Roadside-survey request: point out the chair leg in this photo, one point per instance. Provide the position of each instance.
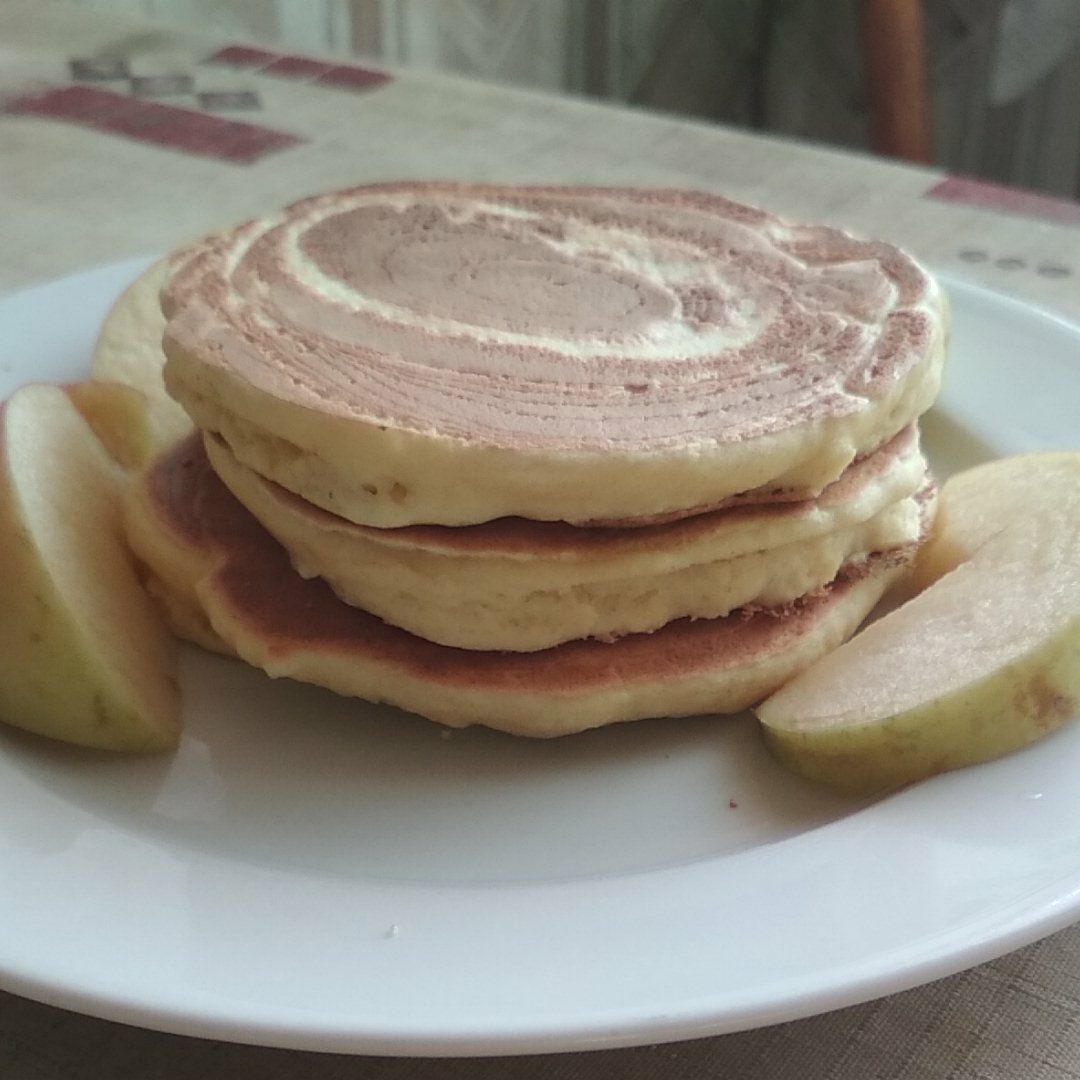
(892, 43)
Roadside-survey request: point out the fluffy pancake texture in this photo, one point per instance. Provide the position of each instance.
(128, 351)
(199, 544)
(522, 586)
(424, 353)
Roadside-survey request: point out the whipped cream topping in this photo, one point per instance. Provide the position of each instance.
(570, 318)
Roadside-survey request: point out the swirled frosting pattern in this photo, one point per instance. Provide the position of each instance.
(576, 318)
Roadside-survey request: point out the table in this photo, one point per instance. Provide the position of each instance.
(118, 139)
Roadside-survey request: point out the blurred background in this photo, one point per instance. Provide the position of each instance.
(1001, 77)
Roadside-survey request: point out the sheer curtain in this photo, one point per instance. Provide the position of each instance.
(1004, 74)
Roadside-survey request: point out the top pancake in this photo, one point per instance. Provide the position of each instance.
(573, 353)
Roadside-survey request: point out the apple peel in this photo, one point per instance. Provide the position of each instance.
(983, 661)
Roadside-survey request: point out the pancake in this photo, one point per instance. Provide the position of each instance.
(128, 351)
(452, 354)
(190, 531)
(522, 586)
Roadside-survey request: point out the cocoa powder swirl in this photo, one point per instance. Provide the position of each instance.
(576, 318)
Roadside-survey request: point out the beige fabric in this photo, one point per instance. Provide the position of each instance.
(130, 199)
(71, 199)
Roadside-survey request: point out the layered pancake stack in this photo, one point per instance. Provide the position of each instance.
(539, 458)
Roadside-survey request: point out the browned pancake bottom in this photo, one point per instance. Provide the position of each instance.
(254, 580)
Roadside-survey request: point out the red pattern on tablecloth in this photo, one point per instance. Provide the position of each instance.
(154, 122)
(1010, 200)
(294, 66)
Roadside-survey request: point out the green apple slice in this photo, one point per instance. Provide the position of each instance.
(985, 660)
(84, 656)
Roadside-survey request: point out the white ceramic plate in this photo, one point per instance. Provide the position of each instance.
(313, 872)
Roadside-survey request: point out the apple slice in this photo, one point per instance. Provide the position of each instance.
(984, 661)
(84, 656)
(117, 416)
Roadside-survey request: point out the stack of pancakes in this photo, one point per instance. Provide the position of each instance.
(539, 458)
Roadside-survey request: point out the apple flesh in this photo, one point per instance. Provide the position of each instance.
(84, 656)
(117, 416)
(982, 662)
